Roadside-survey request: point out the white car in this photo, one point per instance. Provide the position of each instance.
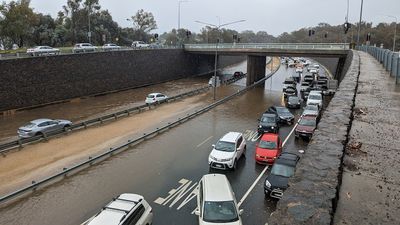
(42, 50)
(227, 151)
(84, 47)
(216, 202)
(139, 44)
(299, 70)
(127, 208)
(40, 127)
(155, 97)
(315, 98)
(110, 46)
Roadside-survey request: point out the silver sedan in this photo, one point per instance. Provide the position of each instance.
(42, 126)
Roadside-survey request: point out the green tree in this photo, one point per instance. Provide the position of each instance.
(144, 23)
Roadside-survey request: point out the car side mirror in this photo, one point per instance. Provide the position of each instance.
(241, 211)
(213, 145)
(197, 212)
(238, 149)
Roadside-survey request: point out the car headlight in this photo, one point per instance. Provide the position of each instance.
(268, 184)
(272, 127)
(259, 126)
(213, 158)
(282, 117)
(257, 155)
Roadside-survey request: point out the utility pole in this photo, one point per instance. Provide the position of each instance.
(179, 19)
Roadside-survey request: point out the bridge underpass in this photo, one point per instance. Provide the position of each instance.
(256, 54)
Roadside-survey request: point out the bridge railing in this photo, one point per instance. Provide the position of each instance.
(303, 46)
(389, 59)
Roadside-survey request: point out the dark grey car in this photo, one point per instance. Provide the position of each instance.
(282, 113)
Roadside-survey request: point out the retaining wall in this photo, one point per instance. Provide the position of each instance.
(313, 192)
(37, 81)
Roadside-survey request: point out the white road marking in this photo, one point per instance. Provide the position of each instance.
(264, 171)
(204, 141)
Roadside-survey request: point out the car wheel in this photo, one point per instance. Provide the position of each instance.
(244, 150)
(39, 134)
(234, 165)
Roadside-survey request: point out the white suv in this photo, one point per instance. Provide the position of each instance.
(126, 209)
(84, 47)
(315, 98)
(227, 151)
(216, 202)
(139, 44)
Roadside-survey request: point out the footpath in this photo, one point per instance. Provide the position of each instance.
(370, 189)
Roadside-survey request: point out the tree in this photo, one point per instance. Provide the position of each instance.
(144, 23)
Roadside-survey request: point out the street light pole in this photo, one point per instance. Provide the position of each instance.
(395, 28)
(217, 27)
(89, 33)
(179, 18)
(359, 24)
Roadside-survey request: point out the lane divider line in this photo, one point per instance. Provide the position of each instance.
(203, 142)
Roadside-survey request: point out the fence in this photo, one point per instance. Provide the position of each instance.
(390, 60)
(112, 151)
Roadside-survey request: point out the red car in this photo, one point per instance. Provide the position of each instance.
(306, 126)
(268, 149)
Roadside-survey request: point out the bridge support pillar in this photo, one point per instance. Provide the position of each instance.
(255, 68)
(339, 68)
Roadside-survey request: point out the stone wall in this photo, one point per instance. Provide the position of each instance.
(37, 81)
(312, 194)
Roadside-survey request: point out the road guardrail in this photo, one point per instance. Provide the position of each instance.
(303, 46)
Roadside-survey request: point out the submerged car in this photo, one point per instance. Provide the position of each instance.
(268, 149)
(227, 151)
(268, 124)
(155, 97)
(238, 74)
(293, 102)
(277, 181)
(283, 114)
(306, 126)
(41, 127)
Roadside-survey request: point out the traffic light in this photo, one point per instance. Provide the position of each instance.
(309, 33)
(155, 36)
(188, 33)
(369, 37)
(238, 39)
(326, 35)
(346, 27)
(235, 37)
(313, 32)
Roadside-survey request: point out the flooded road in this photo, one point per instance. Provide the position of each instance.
(155, 167)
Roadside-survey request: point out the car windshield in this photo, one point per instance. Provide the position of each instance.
(225, 146)
(282, 170)
(29, 125)
(293, 99)
(307, 122)
(268, 119)
(267, 144)
(282, 110)
(311, 108)
(150, 96)
(315, 97)
(220, 212)
(288, 82)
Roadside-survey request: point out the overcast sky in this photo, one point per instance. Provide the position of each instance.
(273, 16)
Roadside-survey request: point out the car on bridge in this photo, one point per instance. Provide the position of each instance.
(227, 151)
(155, 98)
(110, 47)
(268, 148)
(139, 44)
(282, 113)
(42, 50)
(129, 209)
(41, 127)
(278, 179)
(216, 201)
(306, 127)
(84, 47)
(268, 124)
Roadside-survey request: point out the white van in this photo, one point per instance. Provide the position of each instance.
(216, 202)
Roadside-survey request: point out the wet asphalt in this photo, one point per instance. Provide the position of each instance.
(172, 162)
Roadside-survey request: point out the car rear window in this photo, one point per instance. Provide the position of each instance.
(267, 144)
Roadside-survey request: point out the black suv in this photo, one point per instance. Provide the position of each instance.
(282, 113)
(277, 181)
(268, 124)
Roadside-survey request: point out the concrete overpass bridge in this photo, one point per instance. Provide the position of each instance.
(257, 52)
